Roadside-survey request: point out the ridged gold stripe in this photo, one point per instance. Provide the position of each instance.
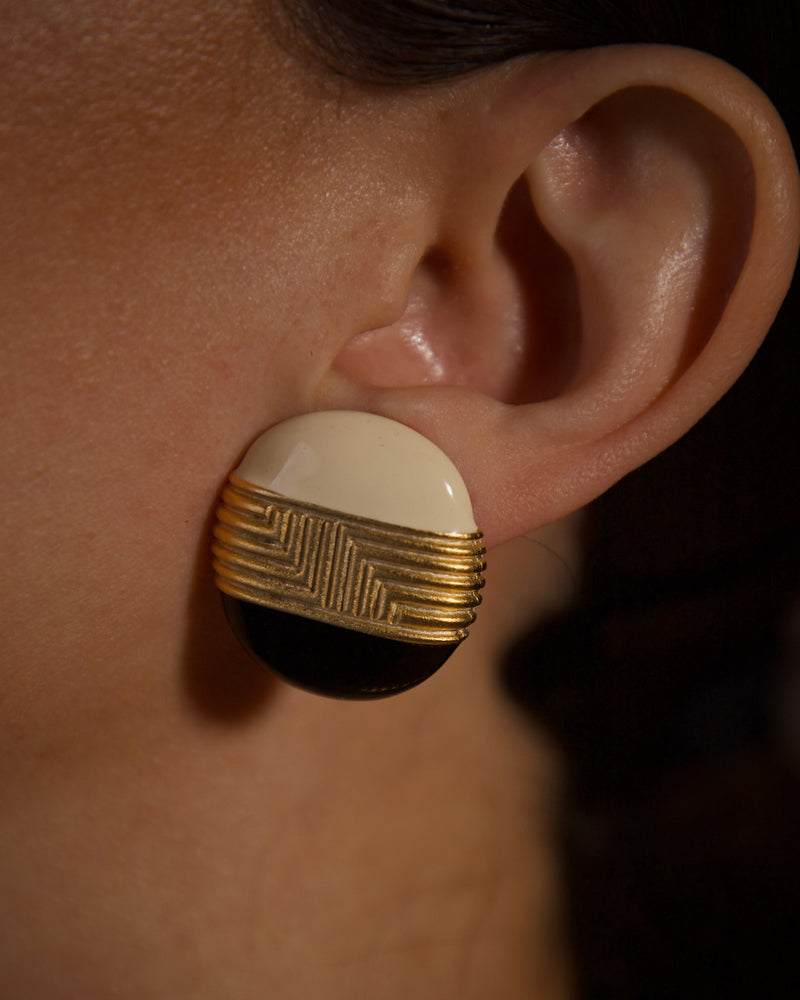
(348, 571)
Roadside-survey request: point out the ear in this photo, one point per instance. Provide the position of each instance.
(609, 254)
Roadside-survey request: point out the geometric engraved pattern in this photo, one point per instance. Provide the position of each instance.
(354, 572)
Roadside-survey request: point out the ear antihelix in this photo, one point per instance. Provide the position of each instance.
(347, 554)
(652, 197)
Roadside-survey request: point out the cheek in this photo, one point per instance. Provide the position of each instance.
(152, 214)
(153, 360)
(139, 357)
(133, 390)
(178, 282)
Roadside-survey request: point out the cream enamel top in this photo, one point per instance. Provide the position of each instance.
(361, 464)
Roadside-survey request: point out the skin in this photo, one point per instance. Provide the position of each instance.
(193, 227)
(207, 235)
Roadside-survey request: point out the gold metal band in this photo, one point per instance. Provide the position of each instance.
(353, 572)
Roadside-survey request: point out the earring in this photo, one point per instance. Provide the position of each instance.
(347, 554)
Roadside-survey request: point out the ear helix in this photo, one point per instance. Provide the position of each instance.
(347, 554)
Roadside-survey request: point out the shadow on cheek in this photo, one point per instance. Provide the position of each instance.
(221, 681)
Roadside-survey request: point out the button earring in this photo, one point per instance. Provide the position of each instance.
(347, 554)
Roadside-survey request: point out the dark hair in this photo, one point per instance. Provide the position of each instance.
(684, 815)
(397, 42)
(419, 41)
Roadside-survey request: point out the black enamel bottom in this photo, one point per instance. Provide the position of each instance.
(328, 660)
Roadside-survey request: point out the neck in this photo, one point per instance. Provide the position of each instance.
(395, 848)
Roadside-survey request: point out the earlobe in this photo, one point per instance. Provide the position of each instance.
(635, 235)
